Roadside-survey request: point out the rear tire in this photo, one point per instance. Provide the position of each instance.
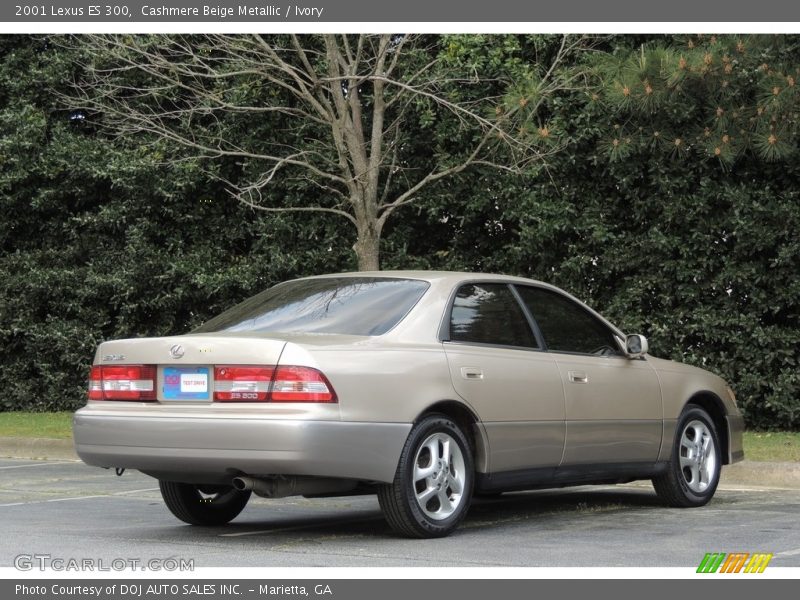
(694, 467)
(433, 484)
(203, 504)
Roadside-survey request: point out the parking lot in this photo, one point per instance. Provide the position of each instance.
(66, 509)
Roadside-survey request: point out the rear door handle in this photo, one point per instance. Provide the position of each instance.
(471, 373)
(578, 377)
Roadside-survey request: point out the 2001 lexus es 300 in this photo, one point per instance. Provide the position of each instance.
(422, 387)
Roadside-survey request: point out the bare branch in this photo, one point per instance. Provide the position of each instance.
(333, 111)
(287, 209)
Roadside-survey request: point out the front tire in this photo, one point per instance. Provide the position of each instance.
(432, 488)
(203, 504)
(694, 467)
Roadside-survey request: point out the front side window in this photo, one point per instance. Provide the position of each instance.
(347, 305)
(488, 313)
(567, 326)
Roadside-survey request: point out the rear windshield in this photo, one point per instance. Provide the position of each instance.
(348, 305)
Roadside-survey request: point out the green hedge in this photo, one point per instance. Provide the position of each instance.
(101, 239)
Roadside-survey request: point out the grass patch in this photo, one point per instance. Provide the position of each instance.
(28, 424)
(779, 446)
(758, 446)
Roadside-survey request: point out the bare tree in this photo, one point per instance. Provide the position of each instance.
(339, 105)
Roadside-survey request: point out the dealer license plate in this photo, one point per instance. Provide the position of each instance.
(186, 383)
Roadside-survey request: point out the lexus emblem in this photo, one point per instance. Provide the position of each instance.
(176, 351)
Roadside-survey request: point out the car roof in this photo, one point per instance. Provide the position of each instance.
(432, 276)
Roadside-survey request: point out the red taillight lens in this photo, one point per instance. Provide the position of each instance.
(234, 383)
(96, 383)
(301, 384)
(242, 384)
(123, 382)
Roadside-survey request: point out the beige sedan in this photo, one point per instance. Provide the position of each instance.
(423, 387)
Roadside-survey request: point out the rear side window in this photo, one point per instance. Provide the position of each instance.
(347, 305)
(488, 313)
(566, 326)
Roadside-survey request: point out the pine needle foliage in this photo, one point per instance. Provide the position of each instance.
(708, 97)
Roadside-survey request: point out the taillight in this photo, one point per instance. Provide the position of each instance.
(301, 384)
(96, 383)
(242, 384)
(234, 383)
(123, 382)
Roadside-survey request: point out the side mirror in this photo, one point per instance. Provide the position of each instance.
(636, 345)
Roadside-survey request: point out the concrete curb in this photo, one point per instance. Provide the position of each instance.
(37, 448)
(766, 474)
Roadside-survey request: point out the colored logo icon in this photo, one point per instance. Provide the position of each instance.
(736, 562)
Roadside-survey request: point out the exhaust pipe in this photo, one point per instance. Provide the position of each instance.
(281, 487)
(243, 484)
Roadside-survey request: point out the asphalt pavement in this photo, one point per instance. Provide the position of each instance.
(67, 510)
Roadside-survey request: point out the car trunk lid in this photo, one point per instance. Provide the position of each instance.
(191, 350)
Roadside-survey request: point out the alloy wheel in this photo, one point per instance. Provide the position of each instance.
(439, 476)
(698, 457)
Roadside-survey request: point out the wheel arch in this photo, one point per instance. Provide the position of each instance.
(469, 422)
(713, 405)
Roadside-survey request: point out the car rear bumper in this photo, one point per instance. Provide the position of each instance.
(735, 442)
(214, 450)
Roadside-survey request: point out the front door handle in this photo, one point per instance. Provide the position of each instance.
(471, 373)
(578, 377)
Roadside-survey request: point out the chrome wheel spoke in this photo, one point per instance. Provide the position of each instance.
(421, 473)
(424, 497)
(703, 475)
(695, 471)
(445, 457)
(446, 506)
(456, 485)
(688, 450)
(686, 461)
(427, 460)
(433, 447)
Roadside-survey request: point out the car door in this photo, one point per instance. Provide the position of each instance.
(497, 365)
(613, 403)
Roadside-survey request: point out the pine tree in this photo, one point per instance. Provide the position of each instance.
(715, 97)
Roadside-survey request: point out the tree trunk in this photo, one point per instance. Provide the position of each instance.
(367, 248)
